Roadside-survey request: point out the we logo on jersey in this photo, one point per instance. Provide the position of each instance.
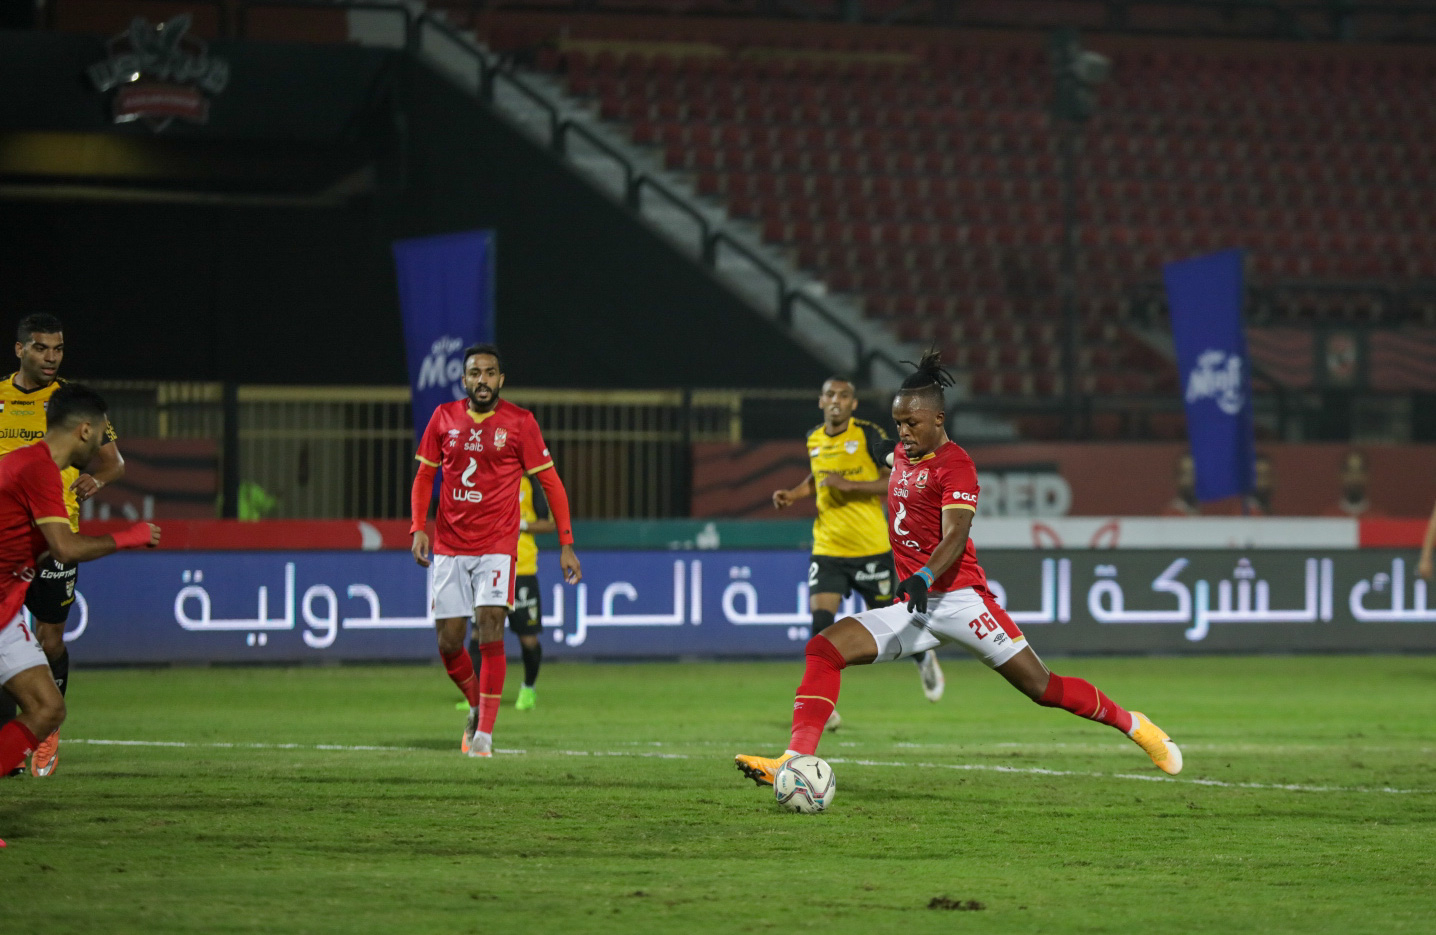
(467, 479)
(899, 518)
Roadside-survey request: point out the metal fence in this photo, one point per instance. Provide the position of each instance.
(348, 451)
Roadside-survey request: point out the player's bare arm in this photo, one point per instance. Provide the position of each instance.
(539, 526)
(782, 499)
(106, 467)
(67, 547)
(877, 487)
(956, 526)
(420, 548)
(1423, 567)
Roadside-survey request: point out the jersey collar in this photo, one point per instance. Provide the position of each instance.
(20, 389)
(931, 454)
(479, 417)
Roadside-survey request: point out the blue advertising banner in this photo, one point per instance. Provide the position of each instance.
(446, 295)
(285, 607)
(1205, 296)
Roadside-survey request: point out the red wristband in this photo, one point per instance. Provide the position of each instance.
(135, 537)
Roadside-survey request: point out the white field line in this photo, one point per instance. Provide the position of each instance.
(888, 764)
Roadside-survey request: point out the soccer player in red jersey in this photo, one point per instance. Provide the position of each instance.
(485, 445)
(943, 597)
(33, 522)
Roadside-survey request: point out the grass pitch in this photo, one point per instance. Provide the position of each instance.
(1308, 804)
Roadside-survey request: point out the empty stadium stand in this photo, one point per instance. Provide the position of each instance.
(921, 172)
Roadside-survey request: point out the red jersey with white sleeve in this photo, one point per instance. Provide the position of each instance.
(31, 494)
(482, 456)
(919, 492)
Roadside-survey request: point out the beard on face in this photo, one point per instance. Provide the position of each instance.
(492, 399)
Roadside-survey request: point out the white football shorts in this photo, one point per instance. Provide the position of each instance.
(967, 617)
(464, 582)
(19, 649)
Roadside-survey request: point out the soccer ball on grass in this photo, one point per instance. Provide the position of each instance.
(805, 784)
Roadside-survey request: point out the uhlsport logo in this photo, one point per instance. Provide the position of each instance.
(1218, 377)
(159, 73)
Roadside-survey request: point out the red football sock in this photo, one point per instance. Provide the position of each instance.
(817, 694)
(1084, 699)
(16, 742)
(461, 669)
(493, 666)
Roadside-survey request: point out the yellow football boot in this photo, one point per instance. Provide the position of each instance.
(760, 769)
(1151, 738)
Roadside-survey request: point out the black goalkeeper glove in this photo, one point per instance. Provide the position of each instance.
(914, 591)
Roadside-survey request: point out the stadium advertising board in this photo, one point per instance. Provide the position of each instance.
(1049, 480)
(314, 606)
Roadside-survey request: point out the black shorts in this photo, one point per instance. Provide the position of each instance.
(52, 593)
(872, 576)
(526, 619)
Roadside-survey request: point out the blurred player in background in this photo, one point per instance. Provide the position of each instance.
(1428, 543)
(1185, 503)
(943, 597)
(485, 446)
(526, 618)
(34, 529)
(1354, 485)
(40, 346)
(849, 460)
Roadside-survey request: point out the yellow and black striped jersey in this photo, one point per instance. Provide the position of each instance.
(849, 524)
(22, 422)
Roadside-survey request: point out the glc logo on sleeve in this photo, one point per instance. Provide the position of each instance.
(160, 73)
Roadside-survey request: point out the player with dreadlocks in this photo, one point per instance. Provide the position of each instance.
(943, 595)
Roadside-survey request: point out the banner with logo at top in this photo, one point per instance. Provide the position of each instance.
(446, 295)
(1205, 297)
(160, 72)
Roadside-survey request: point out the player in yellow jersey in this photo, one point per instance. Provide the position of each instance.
(850, 461)
(526, 618)
(40, 346)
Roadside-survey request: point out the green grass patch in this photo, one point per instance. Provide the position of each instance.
(624, 813)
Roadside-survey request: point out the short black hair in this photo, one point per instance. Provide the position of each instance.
(491, 349)
(929, 379)
(838, 379)
(72, 404)
(37, 323)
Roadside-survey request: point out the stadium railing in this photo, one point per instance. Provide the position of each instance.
(346, 452)
(341, 452)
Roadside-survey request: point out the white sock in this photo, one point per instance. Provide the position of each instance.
(791, 753)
